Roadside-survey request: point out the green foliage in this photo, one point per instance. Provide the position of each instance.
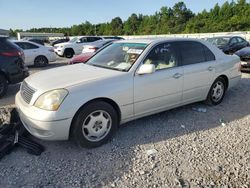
(234, 16)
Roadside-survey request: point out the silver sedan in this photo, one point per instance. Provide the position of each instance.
(122, 82)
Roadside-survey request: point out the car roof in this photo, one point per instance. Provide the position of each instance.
(27, 42)
(156, 40)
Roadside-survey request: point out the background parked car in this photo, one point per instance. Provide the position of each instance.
(53, 43)
(228, 44)
(36, 54)
(82, 58)
(244, 55)
(94, 46)
(74, 46)
(12, 69)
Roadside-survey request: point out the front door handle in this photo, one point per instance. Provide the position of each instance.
(210, 68)
(177, 75)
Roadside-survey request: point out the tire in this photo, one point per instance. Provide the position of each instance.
(3, 85)
(69, 53)
(216, 92)
(41, 61)
(94, 125)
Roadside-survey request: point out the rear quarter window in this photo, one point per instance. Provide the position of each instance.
(6, 45)
(193, 52)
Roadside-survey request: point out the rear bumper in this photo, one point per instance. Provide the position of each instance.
(234, 81)
(18, 77)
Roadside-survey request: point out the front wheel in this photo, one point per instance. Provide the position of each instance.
(41, 61)
(217, 92)
(95, 124)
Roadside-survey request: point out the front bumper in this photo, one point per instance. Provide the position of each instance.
(45, 129)
(59, 51)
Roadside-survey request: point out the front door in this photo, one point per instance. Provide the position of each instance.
(163, 88)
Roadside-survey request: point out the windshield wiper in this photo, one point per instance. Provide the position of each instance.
(112, 68)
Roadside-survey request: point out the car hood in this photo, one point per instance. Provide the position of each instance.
(67, 76)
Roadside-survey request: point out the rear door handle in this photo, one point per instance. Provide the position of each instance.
(177, 75)
(210, 68)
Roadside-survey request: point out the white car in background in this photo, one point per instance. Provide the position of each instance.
(124, 81)
(74, 46)
(94, 46)
(36, 54)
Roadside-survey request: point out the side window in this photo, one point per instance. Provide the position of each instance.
(163, 56)
(240, 40)
(93, 39)
(20, 44)
(209, 55)
(192, 52)
(233, 41)
(83, 40)
(29, 46)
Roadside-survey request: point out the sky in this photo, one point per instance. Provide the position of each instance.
(26, 14)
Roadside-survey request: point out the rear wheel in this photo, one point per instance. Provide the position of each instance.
(95, 124)
(41, 61)
(217, 92)
(3, 85)
(69, 53)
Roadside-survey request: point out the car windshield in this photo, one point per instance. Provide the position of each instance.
(118, 56)
(219, 41)
(73, 40)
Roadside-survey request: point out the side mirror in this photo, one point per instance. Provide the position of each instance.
(78, 41)
(146, 69)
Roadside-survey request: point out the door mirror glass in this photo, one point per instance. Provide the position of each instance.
(146, 69)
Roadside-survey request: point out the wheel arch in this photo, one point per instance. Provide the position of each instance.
(103, 99)
(69, 48)
(225, 78)
(5, 75)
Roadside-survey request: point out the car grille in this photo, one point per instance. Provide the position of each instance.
(26, 92)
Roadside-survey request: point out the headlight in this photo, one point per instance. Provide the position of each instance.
(51, 100)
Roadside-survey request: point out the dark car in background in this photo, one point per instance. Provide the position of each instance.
(12, 69)
(38, 41)
(244, 55)
(229, 44)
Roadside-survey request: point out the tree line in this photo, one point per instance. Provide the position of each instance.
(231, 16)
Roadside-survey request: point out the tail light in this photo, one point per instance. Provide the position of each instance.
(12, 54)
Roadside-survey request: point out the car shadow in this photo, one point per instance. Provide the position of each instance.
(105, 165)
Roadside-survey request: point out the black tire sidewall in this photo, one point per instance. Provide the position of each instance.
(69, 53)
(5, 86)
(210, 98)
(41, 65)
(77, 134)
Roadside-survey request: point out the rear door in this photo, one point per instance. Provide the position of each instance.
(31, 51)
(199, 70)
(163, 88)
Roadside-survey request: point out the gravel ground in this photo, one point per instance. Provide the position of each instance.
(178, 148)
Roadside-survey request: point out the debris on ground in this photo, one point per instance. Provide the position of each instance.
(204, 110)
(151, 152)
